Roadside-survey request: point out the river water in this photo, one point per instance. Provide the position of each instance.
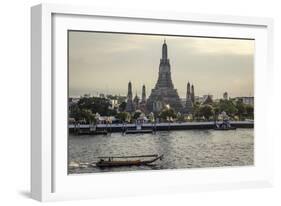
(181, 149)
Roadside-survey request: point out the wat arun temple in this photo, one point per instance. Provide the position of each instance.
(163, 94)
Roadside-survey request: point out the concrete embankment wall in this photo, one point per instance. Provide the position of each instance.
(157, 127)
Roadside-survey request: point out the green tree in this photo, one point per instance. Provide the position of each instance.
(123, 116)
(241, 109)
(122, 106)
(109, 96)
(250, 111)
(206, 111)
(167, 113)
(228, 107)
(137, 114)
(180, 117)
(75, 112)
(196, 114)
(216, 108)
(96, 105)
(88, 116)
(151, 117)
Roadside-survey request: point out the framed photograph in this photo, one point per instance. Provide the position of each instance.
(137, 102)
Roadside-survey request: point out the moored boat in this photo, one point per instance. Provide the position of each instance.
(225, 125)
(104, 132)
(137, 131)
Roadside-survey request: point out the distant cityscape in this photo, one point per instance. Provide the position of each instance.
(117, 100)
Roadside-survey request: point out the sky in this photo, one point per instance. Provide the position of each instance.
(105, 63)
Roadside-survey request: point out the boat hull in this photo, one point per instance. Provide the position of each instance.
(119, 163)
(138, 131)
(229, 128)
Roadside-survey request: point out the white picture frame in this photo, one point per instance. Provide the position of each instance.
(49, 179)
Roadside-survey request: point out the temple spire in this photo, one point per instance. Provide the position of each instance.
(192, 94)
(130, 93)
(188, 103)
(188, 92)
(130, 105)
(164, 51)
(143, 98)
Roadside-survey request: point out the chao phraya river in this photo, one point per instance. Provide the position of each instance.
(181, 149)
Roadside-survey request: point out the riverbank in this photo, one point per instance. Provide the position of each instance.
(110, 128)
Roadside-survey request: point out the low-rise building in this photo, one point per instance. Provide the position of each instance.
(246, 100)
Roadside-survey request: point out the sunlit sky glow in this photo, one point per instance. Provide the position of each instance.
(106, 62)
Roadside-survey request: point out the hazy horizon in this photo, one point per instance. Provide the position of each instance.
(106, 62)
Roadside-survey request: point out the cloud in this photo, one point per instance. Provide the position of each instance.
(223, 46)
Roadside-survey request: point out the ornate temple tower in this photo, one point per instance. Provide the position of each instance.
(189, 103)
(130, 105)
(192, 94)
(136, 102)
(164, 74)
(143, 95)
(188, 92)
(164, 93)
(142, 104)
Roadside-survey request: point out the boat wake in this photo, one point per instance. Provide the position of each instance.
(73, 165)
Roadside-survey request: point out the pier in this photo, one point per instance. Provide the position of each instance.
(110, 128)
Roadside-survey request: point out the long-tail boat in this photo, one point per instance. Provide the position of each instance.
(117, 161)
(225, 125)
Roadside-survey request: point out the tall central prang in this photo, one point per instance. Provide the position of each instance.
(164, 75)
(164, 93)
